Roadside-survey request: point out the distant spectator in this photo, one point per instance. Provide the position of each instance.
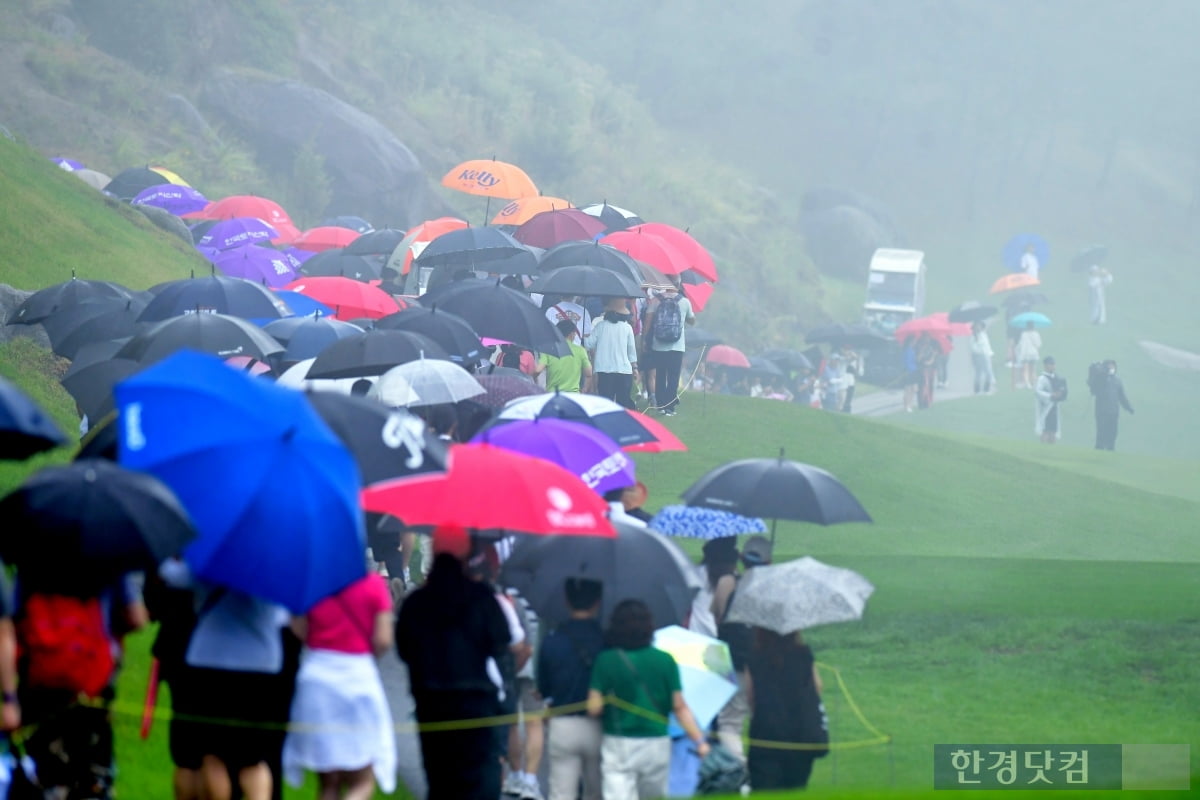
(912, 373)
(668, 355)
(1049, 392)
(614, 353)
(1099, 279)
(1110, 399)
(571, 373)
(720, 561)
(928, 352)
(1029, 262)
(562, 309)
(1027, 353)
(981, 359)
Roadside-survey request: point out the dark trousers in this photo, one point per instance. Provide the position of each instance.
(71, 744)
(779, 769)
(1106, 430)
(459, 764)
(616, 386)
(668, 364)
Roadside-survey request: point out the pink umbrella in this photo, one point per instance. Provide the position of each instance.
(651, 248)
(549, 228)
(727, 356)
(693, 251)
(325, 237)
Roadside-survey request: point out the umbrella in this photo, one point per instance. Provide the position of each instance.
(271, 490)
(451, 331)
(246, 205)
(611, 419)
(261, 265)
(971, 311)
(792, 360)
(219, 294)
(218, 334)
(91, 385)
(797, 595)
(765, 367)
(490, 178)
(83, 525)
(1016, 280)
(294, 378)
(93, 178)
(934, 325)
(698, 258)
(614, 218)
(128, 183)
(500, 389)
(705, 671)
(373, 353)
(1021, 301)
(488, 487)
(171, 197)
(325, 237)
(349, 298)
(776, 489)
(434, 382)
(664, 440)
(563, 225)
(308, 337)
(651, 248)
(301, 305)
(523, 209)
(637, 564)
(1023, 319)
(45, 302)
(1088, 257)
(695, 522)
(67, 164)
(418, 238)
(698, 294)
(338, 263)
(351, 222)
(699, 337)
(571, 254)
(24, 428)
(1015, 248)
(852, 335)
(726, 356)
(499, 312)
(469, 248)
(236, 232)
(579, 448)
(386, 443)
(375, 243)
(115, 323)
(587, 281)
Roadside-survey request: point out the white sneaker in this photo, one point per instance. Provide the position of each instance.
(513, 785)
(531, 791)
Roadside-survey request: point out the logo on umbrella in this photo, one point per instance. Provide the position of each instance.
(132, 416)
(481, 177)
(510, 209)
(609, 466)
(560, 516)
(404, 430)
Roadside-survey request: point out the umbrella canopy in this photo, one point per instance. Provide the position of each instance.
(1016, 280)
(386, 443)
(562, 225)
(82, 525)
(247, 205)
(611, 419)
(614, 218)
(636, 564)
(587, 282)
(499, 312)
(67, 164)
(373, 353)
(418, 238)
(698, 258)
(501, 389)
(797, 595)
(294, 378)
(699, 337)
(579, 448)
(219, 294)
(651, 248)
(765, 367)
(375, 243)
(91, 386)
(937, 325)
(128, 183)
(523, 209)
(469, 248)
(972, 311)
(1023, 319)
(490, 178)
(24, 428)
(349, 221)
(308, 337)
(271, 490)
(178, 200)
(694, 522)
(261, 265)
(338, 263)
(852, 335)
(115, 323)
(1017, 246)
(434, 382)
(61, 296)
(350, 299)
(698, 294)
(506, 490)
(664, 440)
(325, 237)
(571, 254)
(218, 334)
(705, 671)
(776, 489)
(792, 360)
(451, 331)
(237, 232)
(301, 305)
(93, 178)
(726, 356)
(1088, 257)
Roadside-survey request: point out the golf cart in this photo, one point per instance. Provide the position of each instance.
(895, 294)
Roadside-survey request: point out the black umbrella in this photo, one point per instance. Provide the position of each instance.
(785, 359)
(590, 409)
(336, 262)
(1089, 256)
(613, 217)
(971, 311)
(853, 335)
(117, 323)
(1017, 302)
(502, 313)
(101, 440)
(350, 222)
(307, 337)
(201, 228)
(373, 353)
(25, 429)
(472, 248)
(760, 365)
(63, 321)
(62, 296)
(91, 386)
(451, 331)
(80, 526)
(216, 293)
(386, 443)
(219, 334)
(587, 281)
(776, 489)
(129, 183)
(639, 564)
(593, 254)
(699, 337)
(375, 243)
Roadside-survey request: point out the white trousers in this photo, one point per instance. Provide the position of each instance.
(573, 751)
(635, 768)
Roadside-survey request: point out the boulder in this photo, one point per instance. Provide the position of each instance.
(372, 173)
(842, 240)
(167, 221)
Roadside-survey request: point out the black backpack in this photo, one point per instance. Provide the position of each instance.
(668, 321)
(1096, 375)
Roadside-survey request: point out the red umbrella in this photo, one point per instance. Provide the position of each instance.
(693, 251)
(726, 356)
(651, 248)
(248, 205)
(487, 487)
(325, 237)
(563, 225)
(956, 328)
(666, 439)
(350, 299)
(698, 293)
(938, 325)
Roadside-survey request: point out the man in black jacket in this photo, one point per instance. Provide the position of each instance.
(1110, 398)
(445, 632)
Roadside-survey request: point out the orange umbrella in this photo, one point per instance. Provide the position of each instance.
(1016, 280)
(523, 209)
(418, 237)
(490, 178)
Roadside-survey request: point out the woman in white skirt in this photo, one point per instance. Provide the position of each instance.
(341, 727)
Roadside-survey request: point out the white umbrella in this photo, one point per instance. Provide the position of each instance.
(705, 670)
(799, 594)
(433, 380)
(93, 178)
(294, 378)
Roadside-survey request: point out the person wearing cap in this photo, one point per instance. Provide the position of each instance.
(1050, 390)
(446, 631)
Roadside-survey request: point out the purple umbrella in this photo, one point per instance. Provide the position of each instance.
(237, 232)
(296, 256)
(69, 164)
(580, 449)
(258, 264)
(561, 225)
(178, 200)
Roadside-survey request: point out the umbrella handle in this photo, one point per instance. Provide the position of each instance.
(151, 699)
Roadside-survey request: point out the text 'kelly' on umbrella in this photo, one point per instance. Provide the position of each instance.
(271, 490)
(490, 178)
(799, 594)
(486, 488)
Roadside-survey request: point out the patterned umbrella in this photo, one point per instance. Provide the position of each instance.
(694, 522)
(797, 595)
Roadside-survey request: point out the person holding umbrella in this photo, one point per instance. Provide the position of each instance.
(1099, 279)
(981, 359)
(1051, 389)
(614, 353)
(1028, 346)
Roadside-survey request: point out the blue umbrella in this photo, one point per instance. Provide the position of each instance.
(271, 490)
(1038, 320)
(24, 428)
(694, 522)
(1015, 247)
(302, 305)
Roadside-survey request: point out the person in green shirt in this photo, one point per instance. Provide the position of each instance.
(635, 755)
(566, 373)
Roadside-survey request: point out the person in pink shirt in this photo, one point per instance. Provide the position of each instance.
(341, 727)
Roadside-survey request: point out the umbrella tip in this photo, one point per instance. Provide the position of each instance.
(781, 455)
